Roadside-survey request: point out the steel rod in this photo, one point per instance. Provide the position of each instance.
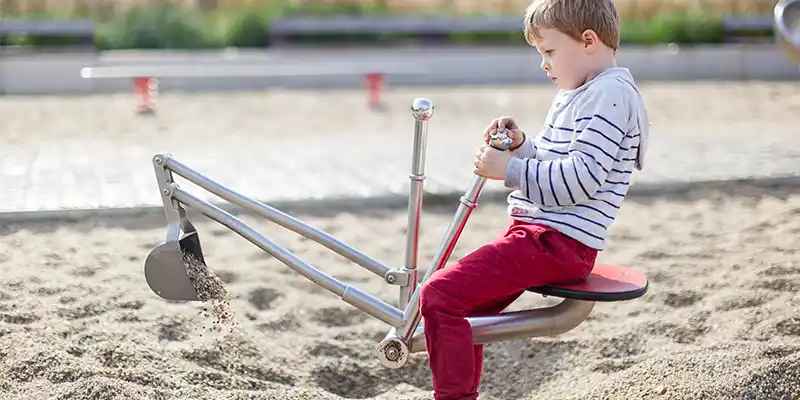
(278, 217)
(422, 110)
(469, 201)
(348, 293)
(548, 321)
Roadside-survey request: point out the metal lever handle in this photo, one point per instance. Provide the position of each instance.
(500, 140)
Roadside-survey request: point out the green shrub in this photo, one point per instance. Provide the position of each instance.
(673, 28)
(156, 26)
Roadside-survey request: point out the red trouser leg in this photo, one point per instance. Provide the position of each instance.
(487, 281)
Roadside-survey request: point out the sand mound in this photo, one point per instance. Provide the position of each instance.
(734, 370)
(720, 321)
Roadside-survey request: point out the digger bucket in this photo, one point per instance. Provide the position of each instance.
(165, 268)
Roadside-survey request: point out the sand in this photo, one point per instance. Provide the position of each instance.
(720, 321)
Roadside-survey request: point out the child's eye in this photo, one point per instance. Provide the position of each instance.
(548, 52)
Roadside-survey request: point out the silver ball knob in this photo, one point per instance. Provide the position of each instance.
(422, 109)
(500, 140)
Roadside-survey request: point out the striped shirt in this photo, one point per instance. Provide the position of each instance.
(574, 175)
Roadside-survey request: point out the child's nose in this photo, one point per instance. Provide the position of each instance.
(545, 66)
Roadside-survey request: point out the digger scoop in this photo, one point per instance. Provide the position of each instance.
(165, 268)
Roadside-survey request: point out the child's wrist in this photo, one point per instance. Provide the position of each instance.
(520, 143)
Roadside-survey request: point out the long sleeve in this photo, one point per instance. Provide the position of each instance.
(594, 149)
(527, 149)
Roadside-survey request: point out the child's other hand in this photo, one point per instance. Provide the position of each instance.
(505, 123)
(491, 163)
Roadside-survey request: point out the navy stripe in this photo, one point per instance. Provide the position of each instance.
(622, 172)
(541, 193)
(590, 172)
(616, 183)
(604, 119)
(527, 201)
(595, 209)
(595, 160)
(550, 179)
(573, 215)
(563, 153)
(523, 200)
(564, 178)
(598, 148)
(612, 192)
(561, 128)
(629, 159)
(586, 192)
(616, 143)
(526, 181)
(605, 201)
(556, 141)
(630, 148)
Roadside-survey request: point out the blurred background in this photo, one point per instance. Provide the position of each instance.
(123, 79)
(123, 24)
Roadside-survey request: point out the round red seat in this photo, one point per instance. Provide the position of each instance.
(605, 283)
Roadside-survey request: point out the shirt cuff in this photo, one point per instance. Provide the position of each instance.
(513, 175)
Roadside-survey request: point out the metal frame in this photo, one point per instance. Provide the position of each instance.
(406, 335)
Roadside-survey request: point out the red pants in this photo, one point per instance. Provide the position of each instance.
(487, 281)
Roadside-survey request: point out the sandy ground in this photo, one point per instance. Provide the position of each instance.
(720, 320)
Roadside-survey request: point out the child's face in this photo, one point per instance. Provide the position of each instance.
(566, 60)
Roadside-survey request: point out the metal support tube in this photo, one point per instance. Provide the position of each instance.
(422, 110)
(278, 217)
(352, 295)
(539, 322)
(469, 201)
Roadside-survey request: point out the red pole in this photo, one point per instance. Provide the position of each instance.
(145, 91)
(375, 83)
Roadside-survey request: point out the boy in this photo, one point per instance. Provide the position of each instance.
(569, 183)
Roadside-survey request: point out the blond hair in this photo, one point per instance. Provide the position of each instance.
(573, 17)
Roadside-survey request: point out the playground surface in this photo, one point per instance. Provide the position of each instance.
(275, 146)
(719, 321)
(77, 320)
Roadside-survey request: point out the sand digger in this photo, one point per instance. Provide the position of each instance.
(170, 268)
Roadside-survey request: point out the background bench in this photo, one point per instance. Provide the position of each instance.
(748, 29)
(73, 33)
(421, 30)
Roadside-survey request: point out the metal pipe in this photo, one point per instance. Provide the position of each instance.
(538, 322)
(422, 110)
(411, 314)
(469, 201)
(786, 15)
(278, 217)
(348, 293)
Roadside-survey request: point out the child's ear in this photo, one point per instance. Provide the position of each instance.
(589, 38)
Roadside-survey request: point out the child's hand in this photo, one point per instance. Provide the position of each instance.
(491, 163)
(505, 123)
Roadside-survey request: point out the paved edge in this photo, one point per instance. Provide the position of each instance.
(141, 216)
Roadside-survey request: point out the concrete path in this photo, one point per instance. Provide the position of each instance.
(94, 152)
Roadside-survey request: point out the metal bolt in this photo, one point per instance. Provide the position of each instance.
(165, 192)
(391, 278)
(392, 353)
(159, 161)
